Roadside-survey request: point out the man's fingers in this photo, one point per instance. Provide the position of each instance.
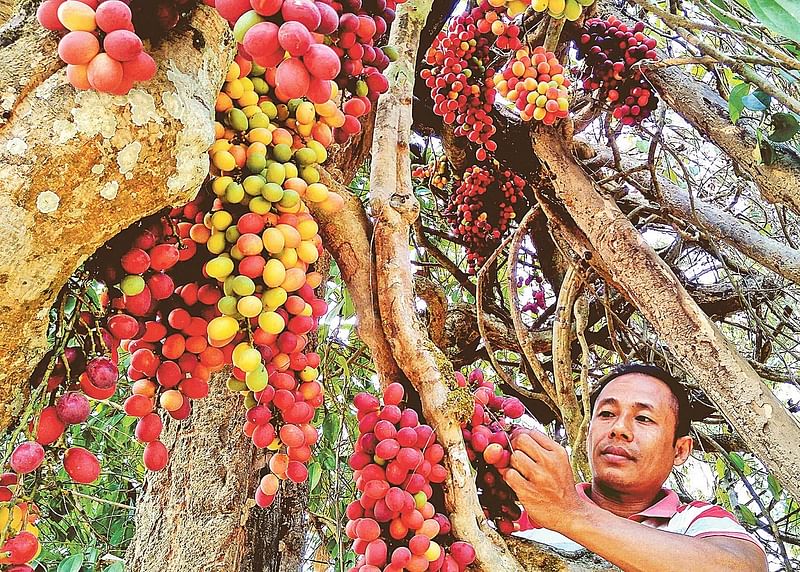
(515, 480)
(523, 464)
(543, 440)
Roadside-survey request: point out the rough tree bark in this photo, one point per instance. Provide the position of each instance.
(199, 513)
(622, 256)
(78, 167)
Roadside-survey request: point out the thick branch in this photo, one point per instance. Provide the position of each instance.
(748, 404)
(78, 167)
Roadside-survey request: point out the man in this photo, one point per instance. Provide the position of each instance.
(638, 432)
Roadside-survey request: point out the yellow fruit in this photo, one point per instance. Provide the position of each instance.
(288, 257)
(274, 273)
(221, 220)
(249, 306)
(539, 5)
(556, 7)
(307, 252)
(273, 298)
(572, 10)
(307, 228)
(308, 374)
(233, 72)
(305, 113)
(216, 243)
(273, 240)
(271, 322)
(246, 357)
(219, 267)
(224, 161)
(222, 328)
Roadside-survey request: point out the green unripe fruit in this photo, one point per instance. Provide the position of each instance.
(256, 163)
(260, 119)
(361, 88)
(269, 109)
(243, 285)
(291, 170)
(290, 199)
(227, 305)
(292, 104)
(310, 174)
(259, 205)
(219, 267)
(276, 173)
(132, 285)
(260, 86)
(282, 152)
(305, 156)
(244, 23)
(235, 119)
(227, 286)
(391, 53)
(234, 194)
(256, 380)
(253, 184)
(256, 71)
(273, 192)
(251, 110)
(232, 234)
(249, 399)
(319, 151)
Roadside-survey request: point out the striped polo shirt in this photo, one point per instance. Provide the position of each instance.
(697, 518)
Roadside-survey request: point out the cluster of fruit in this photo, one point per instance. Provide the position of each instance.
(122, 60)
(482, 207)
(535, 84)
(19, 536)
(434, 173)
(397, 463)
(488, 438)
(558, 9)
(459, 60)
(513, 7)
(611, 51)
(535, 284)
(311, 47)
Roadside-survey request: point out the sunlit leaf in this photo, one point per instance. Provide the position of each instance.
(757, 101)
(774, 486)
(314, 474)
(747, 515)
(736, 460)
(735, 104)
(781, 16)
(71, 563)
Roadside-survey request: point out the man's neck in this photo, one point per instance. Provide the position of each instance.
(621, 503)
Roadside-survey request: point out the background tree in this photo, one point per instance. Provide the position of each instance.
(672, 241)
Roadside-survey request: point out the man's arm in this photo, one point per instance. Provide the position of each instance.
(542, 478)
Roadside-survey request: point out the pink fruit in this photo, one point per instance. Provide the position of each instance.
(81, 465)
(292, 78)
(303, 11)
(113, 15)
(22, 548)
(27, 457)
(329, 19)
(163, 256)
(295, 38)
(78, 48)
(47, 14)
(122, 45)
(266, 7)
(366, 402)
(148, 428)
(513, 407)
(297, 472)
(140, 68)
(135, 261)
(367, 529)
(261, 40)
(322, 61)
(104, 73)
(102, 372)
(232, 9)
(72, 407)
(77, 76)
(463, 553)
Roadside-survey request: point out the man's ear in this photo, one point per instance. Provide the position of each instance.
(683, 448)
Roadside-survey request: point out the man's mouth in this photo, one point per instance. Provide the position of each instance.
(617, 454)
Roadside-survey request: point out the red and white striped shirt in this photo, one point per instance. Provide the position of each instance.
(697, 518)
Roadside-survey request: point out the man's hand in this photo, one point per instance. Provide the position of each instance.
(541, 475)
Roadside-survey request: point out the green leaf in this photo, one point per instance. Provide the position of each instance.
(782, 16)
(331, 426)
(722, 17)
(774, 486)
(314, 474)
(747, 515)
(735, 105)
(71, 563)
(736, 460)
(118, 566)
(757, 101)
(785, 126)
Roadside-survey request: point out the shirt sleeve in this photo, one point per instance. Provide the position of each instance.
(702, 520)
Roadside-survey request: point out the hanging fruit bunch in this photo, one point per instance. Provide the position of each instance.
(559, 9)
(611, 52)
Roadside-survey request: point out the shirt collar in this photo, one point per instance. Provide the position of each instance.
(666, 507)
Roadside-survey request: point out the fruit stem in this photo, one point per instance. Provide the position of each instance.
(554, 27)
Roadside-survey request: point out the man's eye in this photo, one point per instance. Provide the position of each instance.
(644, 418)
(605, 414)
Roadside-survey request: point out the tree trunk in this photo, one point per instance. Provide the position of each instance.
(199, 513)
(78, 167)
(620, 254)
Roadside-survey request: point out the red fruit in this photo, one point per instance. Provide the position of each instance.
(144, 360)
(104, 73)
(292, 435)
(232, 9)
(149, 428)
(263, 435)
(463, 553)
(394, 392)
(261, 40)
(401, 556)
(140, 68)
(22, 548)
(113, 15)
(102, 372)
(78, 47)
(295, 38)
(49, 427)
(194, 388)
(303, 11)
(81, 465)
(418, 544)
(265, 8)
(513, 407)
(322, 62)
(297, 472)
(387, 449)
(27, 457)
(367, 529)
(155, 456)
(135, 261)
(375, 554)
(138, 405)
(140, 304)
(47, 14)
(72, 407)
(122, 45)
(163, 256)
(292, 78)
(319, 90)
(263, 500)
(329, 19)
(161, 286)
(366, 402)
(354, 107)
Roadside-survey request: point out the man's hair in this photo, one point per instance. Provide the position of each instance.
(683, 414)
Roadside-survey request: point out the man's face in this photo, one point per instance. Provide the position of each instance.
(631, 435)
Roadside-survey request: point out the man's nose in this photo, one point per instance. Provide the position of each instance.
(622, 428)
